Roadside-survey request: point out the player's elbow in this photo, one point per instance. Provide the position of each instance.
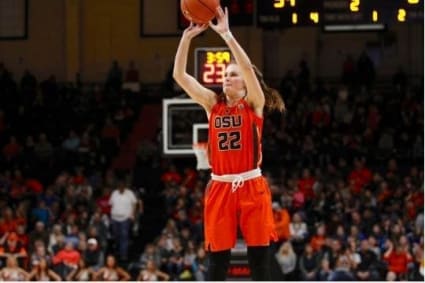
(177, 75)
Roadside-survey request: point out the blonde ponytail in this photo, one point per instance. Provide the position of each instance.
(274, 101)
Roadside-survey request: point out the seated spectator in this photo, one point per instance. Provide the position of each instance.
(13, 247)
(152, 273)
(93, 255)
(111, 271)
(66, 259)
(282, 221)
(298, 232)
(72, 235)
(318, 240)
(12, 272)
(342, 270)
(41, 213)
(175, 265)
(41, 272)
(287, 260)
(150, 253)
(200, 265)
(397, 259)
(324, 271)
(308, 264)
(54, 237)
(39, 233)
(351, 253)
(23, 237)
(81, 273)
(39, 253)
(99, 228)
(336, 248)
(367, 269)
(82, 243)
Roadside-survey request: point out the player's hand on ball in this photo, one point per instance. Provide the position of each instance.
(194, 29)
(222, 17)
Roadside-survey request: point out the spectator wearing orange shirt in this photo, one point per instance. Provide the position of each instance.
(397, 259)
(318, 240)
(66, 259)
(282, 219)
(360, 176)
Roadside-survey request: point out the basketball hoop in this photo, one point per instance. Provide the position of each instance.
(200, 150)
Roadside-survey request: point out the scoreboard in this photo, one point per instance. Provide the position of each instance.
(338, 13)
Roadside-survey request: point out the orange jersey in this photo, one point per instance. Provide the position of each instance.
(234, 138)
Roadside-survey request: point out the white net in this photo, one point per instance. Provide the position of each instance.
(201, 154)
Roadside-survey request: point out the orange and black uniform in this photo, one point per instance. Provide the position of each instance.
(238, 195)
(234, 138)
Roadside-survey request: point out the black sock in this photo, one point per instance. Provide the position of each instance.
(218, 265)
(259, 263)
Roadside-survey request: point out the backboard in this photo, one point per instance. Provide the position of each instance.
(184, 123)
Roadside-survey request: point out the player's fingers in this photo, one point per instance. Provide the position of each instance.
(220, 12)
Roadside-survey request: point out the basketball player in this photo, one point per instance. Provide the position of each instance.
(237, 193)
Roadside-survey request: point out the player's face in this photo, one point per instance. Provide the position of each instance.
(233, 83)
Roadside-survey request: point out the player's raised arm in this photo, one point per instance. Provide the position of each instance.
(193, 88)
(255, 94)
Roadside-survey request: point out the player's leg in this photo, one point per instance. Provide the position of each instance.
(218, 265)
(220, 222)
(259, 263)
(257, 225)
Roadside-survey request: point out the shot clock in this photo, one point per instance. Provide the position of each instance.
(210, 65)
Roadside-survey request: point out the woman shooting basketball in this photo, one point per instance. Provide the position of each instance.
(237, 193)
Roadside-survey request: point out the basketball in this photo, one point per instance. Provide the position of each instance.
(199, 11)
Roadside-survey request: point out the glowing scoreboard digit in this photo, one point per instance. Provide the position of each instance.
(210, 65)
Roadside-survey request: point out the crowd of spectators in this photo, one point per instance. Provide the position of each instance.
(57, 141)
(345, 165)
